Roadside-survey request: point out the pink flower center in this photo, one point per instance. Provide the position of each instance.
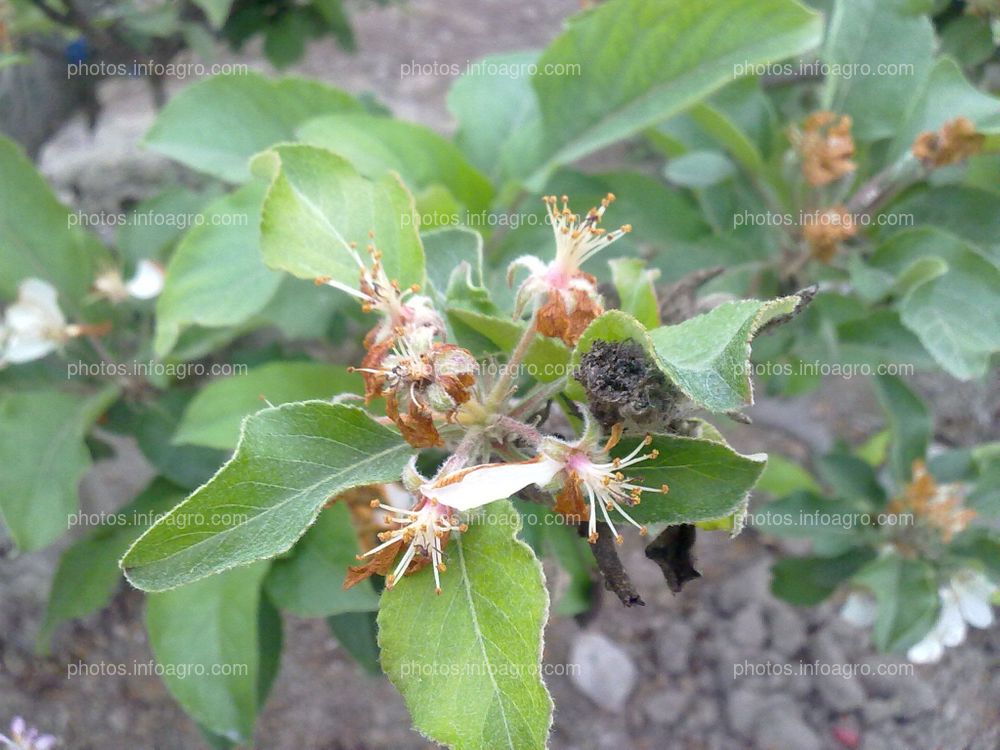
(578, 462)
(556, 277)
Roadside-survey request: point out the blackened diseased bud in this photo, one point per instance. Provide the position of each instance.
(624, 386)
(673, 551)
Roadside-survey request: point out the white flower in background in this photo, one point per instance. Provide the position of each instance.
(23, 737)
(33, 326)
(146, 283)
(566, 297)
(859, 609)
(964, 601)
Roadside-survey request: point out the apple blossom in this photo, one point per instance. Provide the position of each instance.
(565, 298)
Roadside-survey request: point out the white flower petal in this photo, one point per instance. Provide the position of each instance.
(147, 281)
(25, 348)
(950, 628)
(859, 610)
(927, 651)
(471, 488)
(36, 308)
(39, 292)
(533, 264)
(34, 325)
(396, 495)
(973, 592)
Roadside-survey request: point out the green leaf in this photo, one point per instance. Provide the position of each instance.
(153, 424)
(420, 156)
(708, 356)
(970, 214)
(290, 461)
(875, 33)
(957, 316)
(155, 224)
(640, 61)
(497, 113)
(214, 415)
(850, 477)
(725, 130)
(337, 23)
(205, 639)
(968, 40)
(739, 117)
(548, 534)
(285, 38)
(699, 169)
(833, 525)
(318, 203)
(636, 292)
(44, 457)
(215, 10)
(907, 596)
(910, 421)
(217, 124)
(707, 480)
(88, 574)
(302, 310)
(357, 633)
(216, 278)
(806, 581)
(782, 476)
(455, 268)
(39, 237)
(979, 548)
(309, 582)
(271, 638)
(955, 309)
(468, 662)
(875, 450)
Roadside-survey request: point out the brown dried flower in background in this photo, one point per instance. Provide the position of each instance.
(826, 147)
(955, 141)
(825, 230)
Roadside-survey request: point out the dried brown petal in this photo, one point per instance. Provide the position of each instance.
(556, 321)
(826, 147)
(956, 141)
(570, 502)
(827, 230)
